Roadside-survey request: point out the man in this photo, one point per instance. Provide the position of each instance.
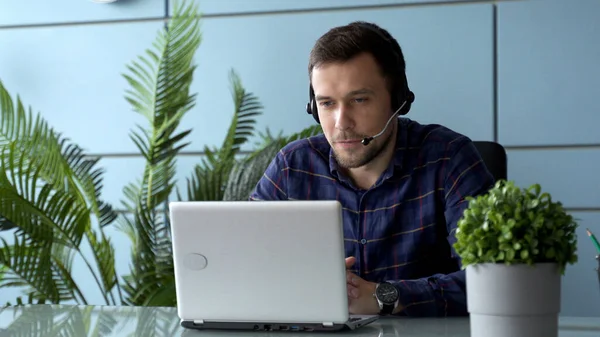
(402, 191)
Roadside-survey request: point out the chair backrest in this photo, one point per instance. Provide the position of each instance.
(494, 157)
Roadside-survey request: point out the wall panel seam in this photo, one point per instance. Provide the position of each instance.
(495, 71)
(257, 13)
(245, 152)
(360, 7)
(547, 147)
(85, 23)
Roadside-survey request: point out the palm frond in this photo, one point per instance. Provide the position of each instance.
(61, 163)
(104, 256)
(153, 262)
(247, 108)
(247, 172)
(209, 178)
(49, 191)
(160, 84)
(50, 217)
(164, 295)
(39, 211)
(89, 177)
(32, 266)
(19, 301)
(266, 137)
(6, 224)
(310, 131)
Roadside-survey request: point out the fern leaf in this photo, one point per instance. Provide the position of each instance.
(248, 171)
(247, 108)
(32, 266)
(61, 163)
(49, 191)
(38, 209)
(159, 90)
(209, 178)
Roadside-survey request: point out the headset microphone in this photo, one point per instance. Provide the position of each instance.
(367, 140)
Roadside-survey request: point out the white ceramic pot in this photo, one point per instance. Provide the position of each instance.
(515, 300)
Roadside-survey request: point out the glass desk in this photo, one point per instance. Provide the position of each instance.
(63, 320)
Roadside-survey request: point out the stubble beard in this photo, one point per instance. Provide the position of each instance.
(358, 158)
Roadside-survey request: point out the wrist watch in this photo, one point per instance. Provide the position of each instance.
(387, 297)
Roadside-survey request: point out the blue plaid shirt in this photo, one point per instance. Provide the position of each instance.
(401, 229)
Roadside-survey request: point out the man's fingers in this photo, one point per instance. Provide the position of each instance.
(352, 291)
(350, 261)
(351, 279)
(352, 285)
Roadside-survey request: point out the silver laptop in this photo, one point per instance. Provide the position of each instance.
(261, 265)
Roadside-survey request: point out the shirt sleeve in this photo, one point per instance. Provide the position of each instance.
(445, 294)
(272, 185)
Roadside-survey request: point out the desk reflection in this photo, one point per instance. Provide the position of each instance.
(53, 320)
(96, 321)
(384, 327)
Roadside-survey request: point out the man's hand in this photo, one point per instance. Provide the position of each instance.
(360, 293)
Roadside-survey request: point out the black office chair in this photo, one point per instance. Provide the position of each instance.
(494, 157)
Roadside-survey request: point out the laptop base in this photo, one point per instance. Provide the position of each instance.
(355, 322)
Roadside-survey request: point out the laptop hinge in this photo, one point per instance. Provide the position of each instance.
(328, 324)
(199, 321)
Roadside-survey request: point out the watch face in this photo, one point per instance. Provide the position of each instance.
(387, 293)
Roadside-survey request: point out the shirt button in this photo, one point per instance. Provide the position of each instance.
(363, 241)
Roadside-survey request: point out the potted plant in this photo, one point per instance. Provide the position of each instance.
(515, 244)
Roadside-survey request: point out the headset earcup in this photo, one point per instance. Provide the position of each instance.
(311, 106)
(315, 111)
(410, 98)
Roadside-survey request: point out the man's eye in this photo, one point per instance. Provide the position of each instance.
(325, 103)
(360, 100)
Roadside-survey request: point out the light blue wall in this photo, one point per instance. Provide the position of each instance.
(524, 73)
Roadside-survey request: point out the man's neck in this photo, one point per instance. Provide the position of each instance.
(366, 176)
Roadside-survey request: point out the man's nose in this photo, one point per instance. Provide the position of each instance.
(343, 117)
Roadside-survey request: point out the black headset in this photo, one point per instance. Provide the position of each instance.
(399, 93)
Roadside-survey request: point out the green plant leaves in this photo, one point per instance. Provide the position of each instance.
(246, 172)
(209, 178)
(49, 198)
(515, 225)
(160, 91)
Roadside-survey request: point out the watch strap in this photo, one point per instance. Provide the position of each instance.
(386, 309)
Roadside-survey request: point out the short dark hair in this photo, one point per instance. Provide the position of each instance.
(343, 43)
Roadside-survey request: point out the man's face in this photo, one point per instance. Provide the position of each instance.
(353, 103)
